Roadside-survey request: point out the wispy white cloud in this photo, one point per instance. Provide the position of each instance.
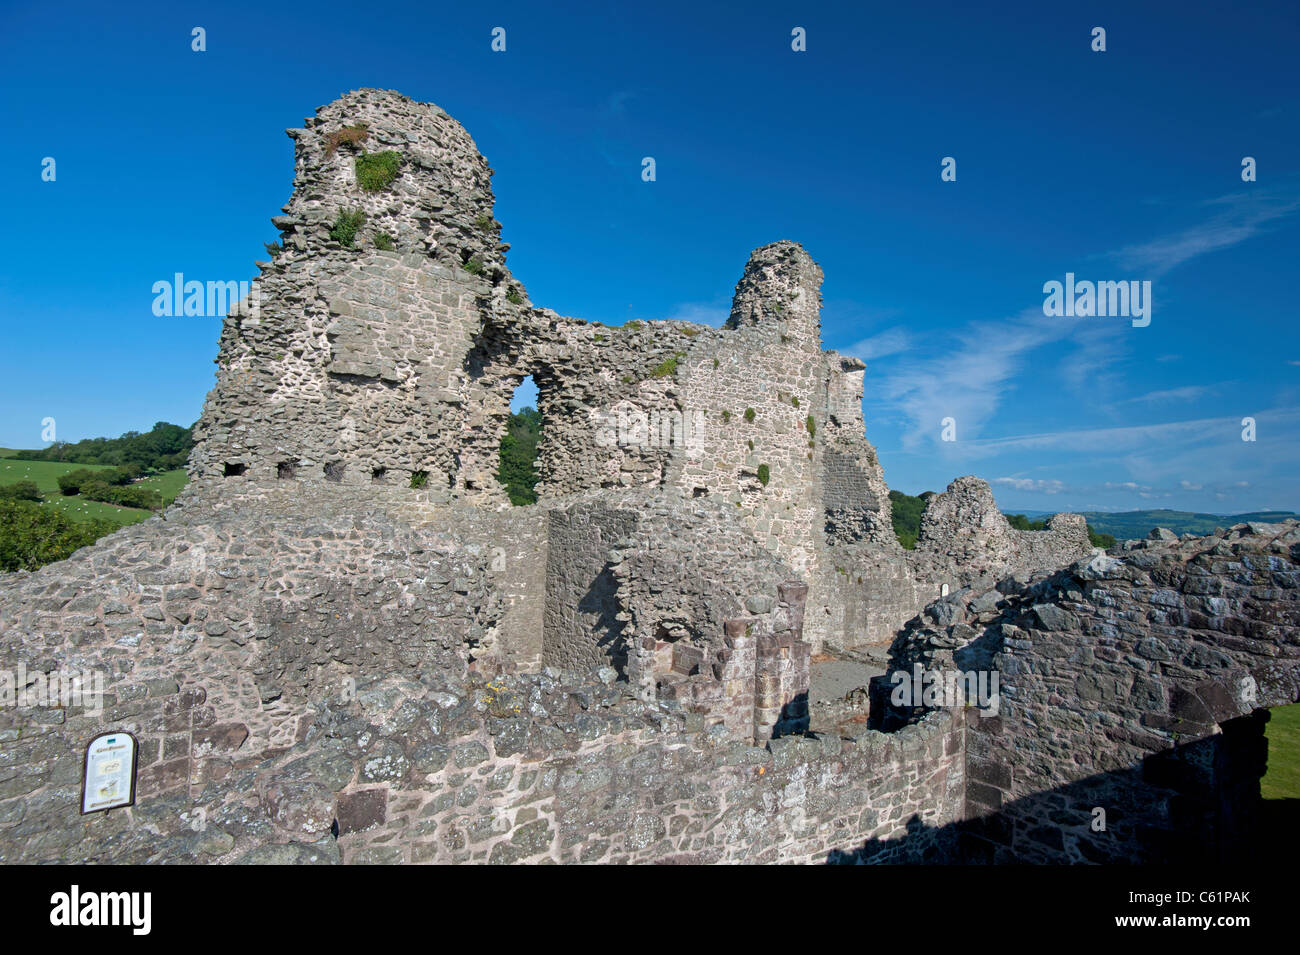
(889, 342)
(616, 102)
(1188, 393)
(1032, 484)
(968, 376)
(1092, 367)
(979, 364)
(1241, 216)
(702, 313)
(1130, 436)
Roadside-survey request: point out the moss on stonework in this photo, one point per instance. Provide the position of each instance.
(764, 474)
(376, 171)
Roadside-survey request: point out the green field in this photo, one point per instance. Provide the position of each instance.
(1282, 781)
(168, 484)
(45, 474)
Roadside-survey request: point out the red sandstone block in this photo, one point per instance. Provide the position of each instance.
(222, 738)
(163, 776)
(687, 658)
(738, 626)
(361, 810)
(793, 593)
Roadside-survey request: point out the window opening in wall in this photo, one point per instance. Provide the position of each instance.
(517, 470)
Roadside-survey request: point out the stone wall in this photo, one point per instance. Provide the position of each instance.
(581, 628)
(1123, 687)
(515, 545)
(1134, 684)
(681, 602)
(353, 363)
(875, 586)
(525, 769)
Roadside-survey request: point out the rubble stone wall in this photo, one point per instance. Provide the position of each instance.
(1134, 684)
(516, 769)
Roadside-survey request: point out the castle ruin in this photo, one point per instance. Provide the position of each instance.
(343, 643)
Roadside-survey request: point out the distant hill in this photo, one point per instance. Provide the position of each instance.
(1130, 525)
(1126, 525)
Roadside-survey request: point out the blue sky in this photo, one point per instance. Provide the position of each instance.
(1122, 165)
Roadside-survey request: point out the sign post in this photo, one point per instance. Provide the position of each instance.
(108, 779)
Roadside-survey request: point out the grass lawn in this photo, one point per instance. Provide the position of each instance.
(169, 484)
(79, 509)
(45, 474)
(1282, 781)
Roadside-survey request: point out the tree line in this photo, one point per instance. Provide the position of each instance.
(517, 469)
(163, 448)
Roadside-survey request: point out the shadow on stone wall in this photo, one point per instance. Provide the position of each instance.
(794, 717)
(1196, 803)
(601, 600)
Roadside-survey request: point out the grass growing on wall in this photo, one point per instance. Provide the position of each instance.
(346, 225)
(376, 171)
(668, 366)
